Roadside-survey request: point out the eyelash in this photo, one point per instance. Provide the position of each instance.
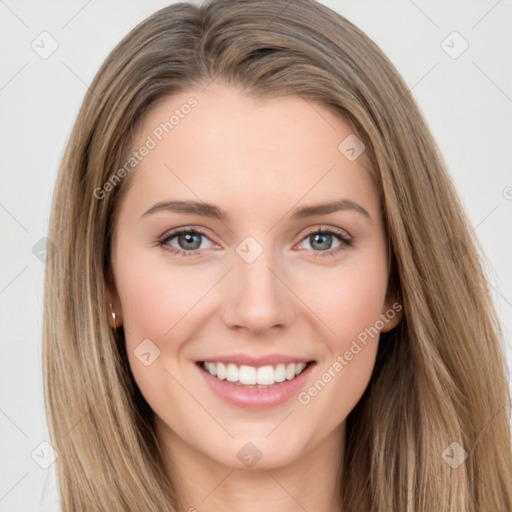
(345, 241)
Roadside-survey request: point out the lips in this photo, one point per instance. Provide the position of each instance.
(265, 382)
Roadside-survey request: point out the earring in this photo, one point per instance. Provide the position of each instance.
(114, 316)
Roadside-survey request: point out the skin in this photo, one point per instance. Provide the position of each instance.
(259, 160)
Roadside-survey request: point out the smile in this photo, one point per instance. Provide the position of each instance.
(263, 376)
(251, 387)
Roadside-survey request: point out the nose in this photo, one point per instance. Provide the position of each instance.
(258, 298)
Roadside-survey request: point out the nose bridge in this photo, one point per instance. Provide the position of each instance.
(258, 299)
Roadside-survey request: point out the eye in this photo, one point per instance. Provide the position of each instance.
(188, 240)
(321, 241)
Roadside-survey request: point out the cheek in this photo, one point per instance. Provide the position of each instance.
(355, 309)
(155, 300)
(348, 302)
(146, 311)
(155, 296)
(354, 345)
(350, 308)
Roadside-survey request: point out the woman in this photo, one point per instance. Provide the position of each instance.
(266, 294)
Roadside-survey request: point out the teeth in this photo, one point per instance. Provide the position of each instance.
(231, 373)
(211, 367)
(221, 371)
(249, 375)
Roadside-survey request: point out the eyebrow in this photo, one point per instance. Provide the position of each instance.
(215, 212)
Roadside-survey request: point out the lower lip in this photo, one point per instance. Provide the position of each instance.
(256, 398)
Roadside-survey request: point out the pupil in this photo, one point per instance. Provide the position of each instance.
(324, 235)
(188, 238)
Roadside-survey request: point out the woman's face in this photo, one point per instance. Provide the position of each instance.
(259, 287)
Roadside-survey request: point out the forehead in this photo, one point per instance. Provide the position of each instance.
(225, 146)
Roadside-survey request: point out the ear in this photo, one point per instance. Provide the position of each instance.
(393, 308)
(112, 298)
(392, 311)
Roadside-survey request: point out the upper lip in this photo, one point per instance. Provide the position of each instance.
(255, 360)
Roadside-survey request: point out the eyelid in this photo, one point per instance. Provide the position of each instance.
(318, 228)
(346, 240)
(172, 233)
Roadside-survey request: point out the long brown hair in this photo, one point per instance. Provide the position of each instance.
(439, 386)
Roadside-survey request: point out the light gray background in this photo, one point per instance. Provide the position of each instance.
(467, 102)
